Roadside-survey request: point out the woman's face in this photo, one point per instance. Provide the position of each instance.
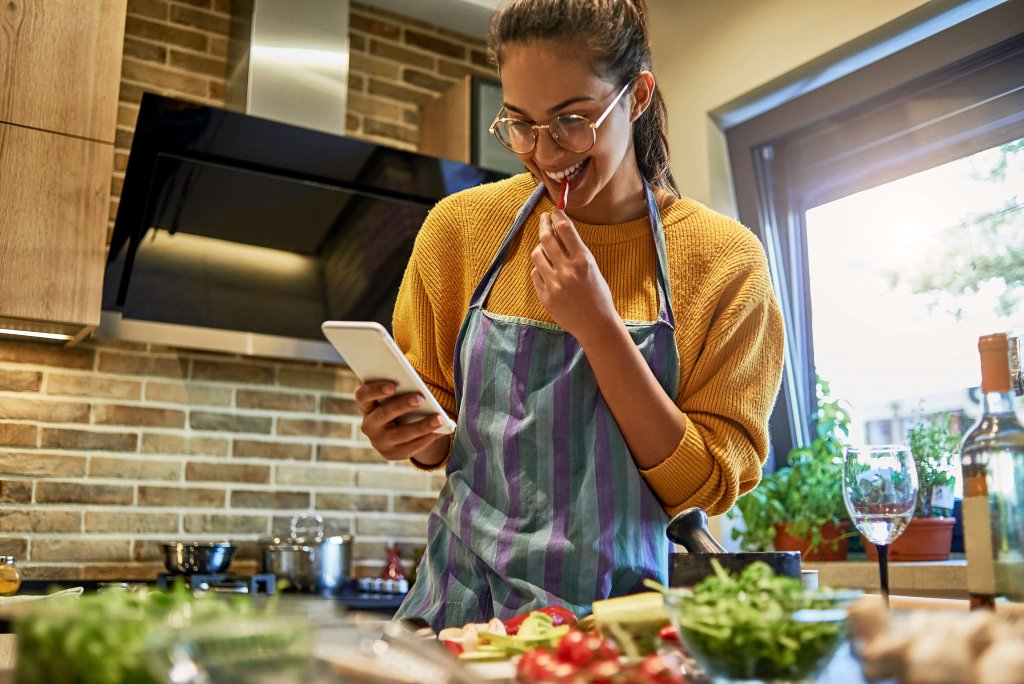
(541, 80)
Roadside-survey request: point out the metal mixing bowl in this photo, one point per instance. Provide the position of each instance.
(197, 558)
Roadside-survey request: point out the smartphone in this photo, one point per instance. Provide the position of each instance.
(372, 355)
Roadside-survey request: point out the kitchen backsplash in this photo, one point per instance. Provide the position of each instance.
(109, 448)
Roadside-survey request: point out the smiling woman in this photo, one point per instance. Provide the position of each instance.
(587, 411)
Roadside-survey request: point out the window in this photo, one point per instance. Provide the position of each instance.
(855, 189)
(903, 279)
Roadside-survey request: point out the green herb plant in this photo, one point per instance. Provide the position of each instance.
(935, 445)
(806, 493)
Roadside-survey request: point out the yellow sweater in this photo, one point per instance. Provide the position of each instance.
(728, 326)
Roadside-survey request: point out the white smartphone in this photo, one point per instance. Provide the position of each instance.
(372, 355)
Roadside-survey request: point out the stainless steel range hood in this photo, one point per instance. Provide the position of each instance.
(288, 61)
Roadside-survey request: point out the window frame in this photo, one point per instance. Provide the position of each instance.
(791, 157)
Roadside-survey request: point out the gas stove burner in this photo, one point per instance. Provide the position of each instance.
(258, 584)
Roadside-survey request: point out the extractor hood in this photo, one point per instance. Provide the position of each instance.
(241, 234)
(288, 61)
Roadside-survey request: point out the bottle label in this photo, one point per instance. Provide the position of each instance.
(981, 571)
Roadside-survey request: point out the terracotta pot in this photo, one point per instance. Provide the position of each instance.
(925, 539)
(824, 552)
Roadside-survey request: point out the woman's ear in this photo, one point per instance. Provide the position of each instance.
(643, 94)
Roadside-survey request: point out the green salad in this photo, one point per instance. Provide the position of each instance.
(125, 636)
(757, 624)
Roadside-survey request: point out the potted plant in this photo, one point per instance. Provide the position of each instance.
(799, 507)
(935, 444)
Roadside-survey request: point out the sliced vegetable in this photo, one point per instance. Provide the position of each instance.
(537, 630)
(558, 614)
(633, 621)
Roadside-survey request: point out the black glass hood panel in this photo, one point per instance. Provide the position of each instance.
(233, 222)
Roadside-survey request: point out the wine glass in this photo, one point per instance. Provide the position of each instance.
(880, 491)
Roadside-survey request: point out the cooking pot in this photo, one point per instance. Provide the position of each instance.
(307, 560)
(203, 558)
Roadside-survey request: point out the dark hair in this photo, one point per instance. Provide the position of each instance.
(614, 32)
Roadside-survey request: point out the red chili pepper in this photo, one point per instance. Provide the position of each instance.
(558, 614)
(669, 633)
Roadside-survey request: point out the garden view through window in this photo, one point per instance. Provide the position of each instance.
(904, 278)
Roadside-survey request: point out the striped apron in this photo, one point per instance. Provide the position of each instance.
(543, 503)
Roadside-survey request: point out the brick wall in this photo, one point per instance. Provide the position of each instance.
(109, 448)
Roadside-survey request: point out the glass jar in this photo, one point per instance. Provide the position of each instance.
(10, 576)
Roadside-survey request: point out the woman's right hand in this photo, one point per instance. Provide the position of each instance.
(381, 410)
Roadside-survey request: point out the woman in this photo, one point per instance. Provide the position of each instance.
(608, 365)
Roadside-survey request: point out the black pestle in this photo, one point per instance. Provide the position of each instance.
(689, 529)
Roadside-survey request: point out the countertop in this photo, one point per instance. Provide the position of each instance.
(940, 579)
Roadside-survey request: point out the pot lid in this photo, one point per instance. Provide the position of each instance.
(307, 530)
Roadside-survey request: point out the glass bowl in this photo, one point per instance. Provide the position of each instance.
(733, 640)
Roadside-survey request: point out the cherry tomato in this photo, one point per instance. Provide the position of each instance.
(603, 671)
(669, 633)
(537, 665)
(600, 647)
(656, 671)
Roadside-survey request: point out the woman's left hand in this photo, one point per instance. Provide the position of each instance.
(568, 281)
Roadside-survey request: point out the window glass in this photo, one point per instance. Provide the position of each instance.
(904, 278)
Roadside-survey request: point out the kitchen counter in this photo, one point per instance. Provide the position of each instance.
(940, 579)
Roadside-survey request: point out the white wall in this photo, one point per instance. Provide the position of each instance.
(709, 52)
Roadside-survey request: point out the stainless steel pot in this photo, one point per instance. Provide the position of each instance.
(307, 560)
(204, 558)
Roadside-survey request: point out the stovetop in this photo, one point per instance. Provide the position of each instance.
(259, 584)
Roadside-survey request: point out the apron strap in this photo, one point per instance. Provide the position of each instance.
(483, 288)
(664, 291)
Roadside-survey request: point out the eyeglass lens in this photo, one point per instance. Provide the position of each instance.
(573, 132)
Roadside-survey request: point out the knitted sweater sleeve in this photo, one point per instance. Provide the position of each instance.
(728, 396)
(427, 312)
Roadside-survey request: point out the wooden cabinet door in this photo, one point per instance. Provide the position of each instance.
(445, 124)
(60, 65)
(54, 192)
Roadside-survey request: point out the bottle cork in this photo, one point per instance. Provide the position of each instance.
(995, 363)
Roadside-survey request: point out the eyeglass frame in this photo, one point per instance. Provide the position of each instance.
(535, 126)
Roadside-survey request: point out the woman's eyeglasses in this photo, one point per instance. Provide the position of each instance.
(571, 131)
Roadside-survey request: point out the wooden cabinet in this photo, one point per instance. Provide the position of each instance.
(446, 123)
(456, 126)
(53, 212)
(60, 70)
(60, 65)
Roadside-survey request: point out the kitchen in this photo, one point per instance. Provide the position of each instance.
(113, 446)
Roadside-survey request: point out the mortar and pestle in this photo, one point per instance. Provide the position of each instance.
(689, 529)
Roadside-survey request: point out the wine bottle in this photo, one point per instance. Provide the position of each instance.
(992, 458)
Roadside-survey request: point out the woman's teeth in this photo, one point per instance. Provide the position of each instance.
(566, 173)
